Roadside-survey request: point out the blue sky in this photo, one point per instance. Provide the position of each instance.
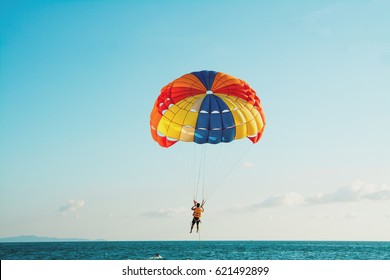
(78, 80)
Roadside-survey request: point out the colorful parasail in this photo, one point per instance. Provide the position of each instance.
(206, 107)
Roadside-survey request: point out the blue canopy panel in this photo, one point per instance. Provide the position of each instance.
(206, 77)
(215, 122)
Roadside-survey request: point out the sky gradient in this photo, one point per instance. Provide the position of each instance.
(78, 80)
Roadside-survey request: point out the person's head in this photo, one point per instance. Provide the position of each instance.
(198, 204)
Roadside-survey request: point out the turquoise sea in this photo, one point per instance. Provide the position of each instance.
(196, 250)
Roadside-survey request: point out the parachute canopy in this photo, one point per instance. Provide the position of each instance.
(206, 107)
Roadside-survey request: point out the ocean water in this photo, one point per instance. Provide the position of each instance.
(197, 250)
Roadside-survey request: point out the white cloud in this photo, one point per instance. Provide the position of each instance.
(322, 217)
(166, 212)
(288, 199)
(248, 164)
(352, 215)
(355, 192)
(71, 206)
